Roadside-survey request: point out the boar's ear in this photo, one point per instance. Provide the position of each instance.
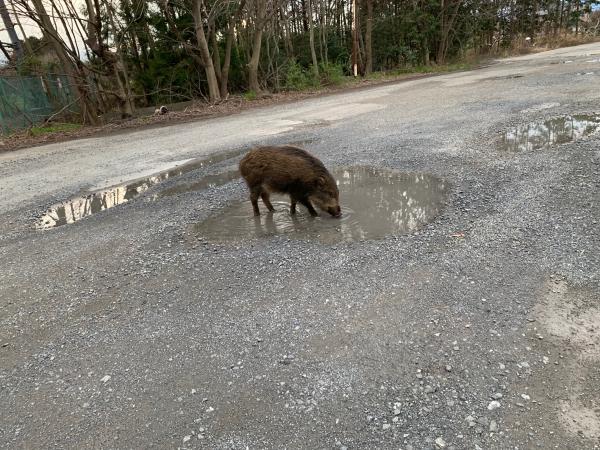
(321, 181)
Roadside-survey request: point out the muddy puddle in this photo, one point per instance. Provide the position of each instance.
(375, 203)
(559, 130)
(83, 206)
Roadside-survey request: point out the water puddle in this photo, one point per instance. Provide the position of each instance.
(375, 203)
(558, 130)
(83, 206)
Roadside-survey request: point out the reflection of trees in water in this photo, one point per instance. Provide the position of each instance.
(555, 131)
(385, 202)
(81, 207)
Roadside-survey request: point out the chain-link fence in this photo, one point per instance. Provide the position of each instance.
(27, 101)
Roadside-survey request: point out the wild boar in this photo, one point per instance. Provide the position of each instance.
(289, 170)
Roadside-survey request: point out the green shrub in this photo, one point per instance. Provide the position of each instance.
(299, 79)
(250, 95)
(331, 74)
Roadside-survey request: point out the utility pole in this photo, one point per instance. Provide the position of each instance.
(10, 28)
(354, 41)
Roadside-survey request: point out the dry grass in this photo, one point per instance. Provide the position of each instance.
(565, 40)
(542, 43)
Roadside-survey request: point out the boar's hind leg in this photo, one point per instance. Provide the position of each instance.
(266, 200)
(309, 206)
(293, 202)
(255, 192)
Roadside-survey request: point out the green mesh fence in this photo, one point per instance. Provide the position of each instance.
(27, 101)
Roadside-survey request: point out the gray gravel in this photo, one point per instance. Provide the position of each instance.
(481, 330)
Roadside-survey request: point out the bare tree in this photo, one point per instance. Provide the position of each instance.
(207, 61)
(110, 62)
(369, 38)
(70, 62)
(354, 40)
(448, 15)
(10, 29)
(311, 34)
(233, 21)
(260, 13)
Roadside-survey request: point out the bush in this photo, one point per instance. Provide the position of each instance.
(250, 95)
(331, 74)
(299, 79)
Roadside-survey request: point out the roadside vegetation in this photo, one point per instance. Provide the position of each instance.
(121, 59)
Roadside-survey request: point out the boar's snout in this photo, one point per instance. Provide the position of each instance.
(335, 211)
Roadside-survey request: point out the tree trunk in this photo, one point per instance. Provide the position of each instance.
(578, 18)
(213, 85)
(443, 31)
(132, 32)
(354, 41)
(311, 34)
(361, 45)
(287, 32)
(3, 50)
(224, 90)
(304, 16)
(562, 9)
(261, 9)
(26, 42)
(568, 16)
(79, 24)
(73, 71)
(368, 38)
(10, 29)
(113, 61)
(216, 54)
(61, 16)
(446, 26)
(324, 19)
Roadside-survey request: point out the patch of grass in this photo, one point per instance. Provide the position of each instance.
(563, 40)
(418, 70)
(250, 95)
(331, 74)
(520, 46)
(55, 128)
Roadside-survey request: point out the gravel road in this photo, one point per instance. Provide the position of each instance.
(480, 330)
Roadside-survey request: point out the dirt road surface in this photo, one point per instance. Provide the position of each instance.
(131, 328)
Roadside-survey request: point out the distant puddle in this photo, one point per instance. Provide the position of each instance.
(80, 207)
(375, 203)
(559, 130)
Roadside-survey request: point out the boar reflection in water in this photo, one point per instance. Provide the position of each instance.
(375, 203)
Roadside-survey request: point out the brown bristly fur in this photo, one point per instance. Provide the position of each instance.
(289, 170)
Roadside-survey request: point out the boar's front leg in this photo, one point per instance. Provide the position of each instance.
(267, 201)
(254, 194)
(309, 206)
